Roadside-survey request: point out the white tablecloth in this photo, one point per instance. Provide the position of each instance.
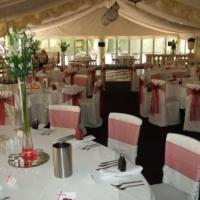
(39, 183)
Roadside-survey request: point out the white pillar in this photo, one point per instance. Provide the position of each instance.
(101, 51)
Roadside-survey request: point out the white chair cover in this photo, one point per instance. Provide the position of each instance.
(81, 79)
(181, 170)
(56, 76)
(91, 80)
(123, 134)
(145, 99)
(64, 116)
(90, 108)
(192, 110)
(163, 112)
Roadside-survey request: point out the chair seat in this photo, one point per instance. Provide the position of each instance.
(167, 192)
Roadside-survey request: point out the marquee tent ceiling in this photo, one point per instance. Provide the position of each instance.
(171, 16)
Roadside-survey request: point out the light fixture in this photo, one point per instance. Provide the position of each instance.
(135, 1)
(111, 14)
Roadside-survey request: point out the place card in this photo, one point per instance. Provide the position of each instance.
(11, 180)
(66, 196)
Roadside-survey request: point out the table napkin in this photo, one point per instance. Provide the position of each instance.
(114, 172)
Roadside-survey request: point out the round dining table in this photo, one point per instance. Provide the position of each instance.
(86, 183)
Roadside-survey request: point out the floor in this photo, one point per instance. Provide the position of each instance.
(151, 145)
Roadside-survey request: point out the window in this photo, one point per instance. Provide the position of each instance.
(135, 48)
(80, 46)
(70, 49)
(54, 47)
(159, 45)
(110, 50)
(122, 46)
(93, 48)
(44, 44)
(147, 47)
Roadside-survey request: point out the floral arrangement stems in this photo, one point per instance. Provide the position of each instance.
(18, 57)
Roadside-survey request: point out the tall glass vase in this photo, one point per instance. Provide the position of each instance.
(62, 58)
(28, 152)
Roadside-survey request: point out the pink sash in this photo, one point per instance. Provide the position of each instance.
(195, 104)
(123, 131)
(8, 100)
(75, 98)
(182, 160)
(155, 98)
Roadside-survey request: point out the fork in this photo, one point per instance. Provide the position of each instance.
(108, 166)
(119, 185)
(88, 147)
(123, 188)
(107, 163)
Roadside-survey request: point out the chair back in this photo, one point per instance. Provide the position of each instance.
(123, 134)
(81, 79)
(158, 96)
(180, 73)
(192, 110)
(182, 164)
(64, 116)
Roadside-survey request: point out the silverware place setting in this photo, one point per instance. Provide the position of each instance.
(47, 132)
(124, 185)
(103, 164)
(108, 164)
(90, 146)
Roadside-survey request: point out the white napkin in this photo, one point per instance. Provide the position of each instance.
(87, 138)
(114, 172)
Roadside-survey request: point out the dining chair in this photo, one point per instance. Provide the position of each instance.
(181, 170)
(7, 107)
(91, 108)
(82, 80)
(64, 116)
(123, 134)
(163, 111)
(192, 108)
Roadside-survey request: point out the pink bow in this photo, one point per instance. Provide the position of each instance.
(195, 104)
(8, 100)
(92, 73)
(155, 98)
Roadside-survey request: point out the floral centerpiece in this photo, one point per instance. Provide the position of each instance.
(63, 47)
(18, 57)
(173, 44)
